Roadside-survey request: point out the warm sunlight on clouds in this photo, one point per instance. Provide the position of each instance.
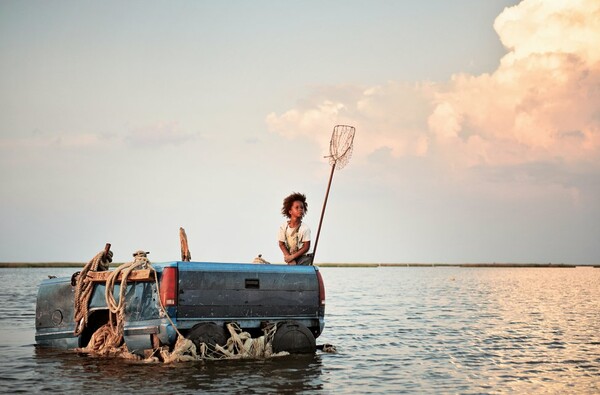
(541, 104)
(542, 26)
(392, 116)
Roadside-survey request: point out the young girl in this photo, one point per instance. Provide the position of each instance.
(294, 236)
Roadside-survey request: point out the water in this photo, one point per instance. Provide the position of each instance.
(397, 330)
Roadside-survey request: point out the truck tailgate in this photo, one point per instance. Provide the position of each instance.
(238, 291)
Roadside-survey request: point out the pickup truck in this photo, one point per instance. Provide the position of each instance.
(200, 298)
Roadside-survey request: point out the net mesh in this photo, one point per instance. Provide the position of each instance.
(341, 145)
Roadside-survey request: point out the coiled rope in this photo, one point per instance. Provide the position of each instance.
(108, 339)
(118, 308)
(85, 287)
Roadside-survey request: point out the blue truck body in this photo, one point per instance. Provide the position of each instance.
(250, 295)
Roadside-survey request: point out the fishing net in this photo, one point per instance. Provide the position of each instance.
(340, 151)
(341, 145)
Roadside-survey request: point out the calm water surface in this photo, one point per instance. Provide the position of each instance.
(397, 330)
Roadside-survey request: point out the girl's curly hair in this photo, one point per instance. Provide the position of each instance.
(288, 201)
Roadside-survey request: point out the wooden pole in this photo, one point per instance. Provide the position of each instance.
(106, 250)
(323, 210)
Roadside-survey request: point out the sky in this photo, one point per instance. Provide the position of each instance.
(477, 129)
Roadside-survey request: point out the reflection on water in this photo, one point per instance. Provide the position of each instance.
(401, 330)
(69, 371)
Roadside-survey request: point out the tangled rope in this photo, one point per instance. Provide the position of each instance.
(108, 339)
(241, 345)
(85, 287)
(118, 308)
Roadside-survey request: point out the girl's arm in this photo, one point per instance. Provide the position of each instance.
(286, 253)
(301, 251)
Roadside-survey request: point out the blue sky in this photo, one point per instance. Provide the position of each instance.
(477, 129)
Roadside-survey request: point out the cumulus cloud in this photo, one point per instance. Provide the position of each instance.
(375, 111)
(541, 104)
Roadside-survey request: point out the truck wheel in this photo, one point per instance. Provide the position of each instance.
(209, 333)
(294, 338)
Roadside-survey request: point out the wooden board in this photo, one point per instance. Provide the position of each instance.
(136, 275)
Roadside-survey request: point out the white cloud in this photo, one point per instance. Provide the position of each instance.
(542, 26)
(541, 104)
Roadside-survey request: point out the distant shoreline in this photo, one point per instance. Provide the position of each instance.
(492, 265)
(40, 264)
(356, 265)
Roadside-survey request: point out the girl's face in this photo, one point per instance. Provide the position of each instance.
(297, 210)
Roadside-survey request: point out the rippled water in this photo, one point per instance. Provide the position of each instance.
(397, 330)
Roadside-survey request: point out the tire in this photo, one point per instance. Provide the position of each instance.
(294, 338)
(209, 333)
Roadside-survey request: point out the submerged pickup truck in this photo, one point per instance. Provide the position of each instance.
(200, 299)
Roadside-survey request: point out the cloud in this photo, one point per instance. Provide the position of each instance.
(374, 111)
(158, 134)
(541, 104)
(541, 26)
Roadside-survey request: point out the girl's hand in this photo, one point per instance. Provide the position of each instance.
(289, 259)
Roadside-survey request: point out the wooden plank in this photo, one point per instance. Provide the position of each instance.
(185, 250)
(136, 275)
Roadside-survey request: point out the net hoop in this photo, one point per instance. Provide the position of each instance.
(341, 145)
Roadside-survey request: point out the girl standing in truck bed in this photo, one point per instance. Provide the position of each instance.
(294, 235)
